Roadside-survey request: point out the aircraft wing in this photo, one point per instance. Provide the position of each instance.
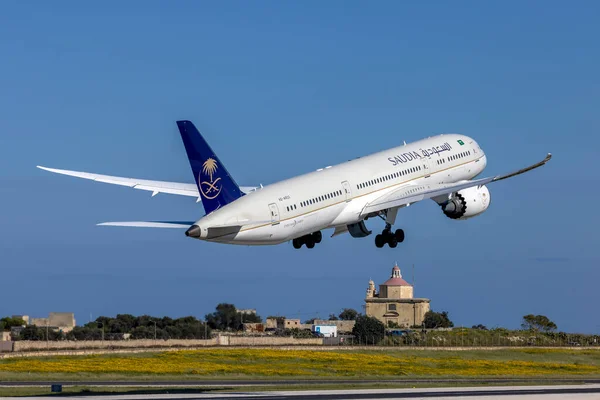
(156, 187)
(408, 194)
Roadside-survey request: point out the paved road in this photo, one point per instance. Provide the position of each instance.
(285, 382)
(579, 392)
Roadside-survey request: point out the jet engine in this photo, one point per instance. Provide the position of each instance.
(358, 230)
(467, 203)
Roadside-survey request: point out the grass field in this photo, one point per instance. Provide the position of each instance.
(272, 363)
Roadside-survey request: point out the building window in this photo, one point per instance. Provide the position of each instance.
(391, 307)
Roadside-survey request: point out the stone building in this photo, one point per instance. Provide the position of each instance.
(62, 321)
(395, 302)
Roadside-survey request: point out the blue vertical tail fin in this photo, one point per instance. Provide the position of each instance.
(216, 187)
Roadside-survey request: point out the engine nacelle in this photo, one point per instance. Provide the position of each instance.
(358, 230)
(467, 203)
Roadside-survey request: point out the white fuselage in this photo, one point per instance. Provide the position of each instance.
(336, 196)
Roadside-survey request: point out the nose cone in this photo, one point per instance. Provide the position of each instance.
(194, 231)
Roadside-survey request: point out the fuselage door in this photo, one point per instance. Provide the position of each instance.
(347, 191)
(426, 164)
(274, 213)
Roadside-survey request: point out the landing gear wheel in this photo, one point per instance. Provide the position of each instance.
(392, 241)
(379, 241)
(297, 243)
(399, 235)
(317, 236)
(310, 243)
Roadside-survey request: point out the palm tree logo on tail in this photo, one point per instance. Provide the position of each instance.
(210, 189)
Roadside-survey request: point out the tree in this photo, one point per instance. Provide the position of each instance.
(8, 322)
(434, 320)
(32, 333)
(87, 332)
(368, 329)
(538, 323)
(392, 324)
(227, 317)
(310, 321)
(348, 314)
(480, 327)
(333, 317)
(125, 323)
(142, 332)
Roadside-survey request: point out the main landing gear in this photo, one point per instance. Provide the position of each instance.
(389, 237)
(309, 240)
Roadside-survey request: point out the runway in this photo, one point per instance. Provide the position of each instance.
(575, 392)
(303, 382)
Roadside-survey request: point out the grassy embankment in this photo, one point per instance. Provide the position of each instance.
(268, 363)
(539, 365)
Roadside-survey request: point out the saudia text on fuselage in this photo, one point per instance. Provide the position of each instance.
(414, 155)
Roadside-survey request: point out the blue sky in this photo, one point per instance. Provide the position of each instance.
(279, 89)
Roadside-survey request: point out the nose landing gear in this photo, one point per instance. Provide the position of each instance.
(309, 240)
(389, 237)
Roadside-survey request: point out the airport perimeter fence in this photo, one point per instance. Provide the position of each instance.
(454, 341)
(414, 339)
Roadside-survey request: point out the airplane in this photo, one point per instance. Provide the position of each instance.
(342, 197)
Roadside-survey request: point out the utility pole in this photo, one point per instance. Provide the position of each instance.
(102, 330)
(154, 330)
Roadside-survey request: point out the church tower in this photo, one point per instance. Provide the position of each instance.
(395, 304)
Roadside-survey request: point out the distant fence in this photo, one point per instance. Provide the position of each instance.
(35, 345)
(432, 339)
(6, 346)
(31, 345)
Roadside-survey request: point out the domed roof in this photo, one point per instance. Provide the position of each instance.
(396, 278)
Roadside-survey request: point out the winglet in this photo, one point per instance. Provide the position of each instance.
(523, 170)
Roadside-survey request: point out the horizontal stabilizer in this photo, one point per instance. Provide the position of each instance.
(151, 224)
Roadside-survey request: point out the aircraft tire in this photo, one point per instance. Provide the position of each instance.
(310, 243)
(399, 234)
(297, 243)
(392, 242)
(379, 241)
(317, 236)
